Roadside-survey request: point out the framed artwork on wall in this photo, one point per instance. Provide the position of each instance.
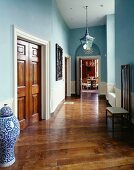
(59, 62)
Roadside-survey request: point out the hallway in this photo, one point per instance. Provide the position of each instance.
(76, 138)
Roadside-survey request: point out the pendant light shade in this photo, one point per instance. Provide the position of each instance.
(87, 40)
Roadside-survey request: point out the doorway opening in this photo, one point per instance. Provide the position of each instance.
(88, 74)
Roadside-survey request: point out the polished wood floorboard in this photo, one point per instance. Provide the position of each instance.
(76, 138)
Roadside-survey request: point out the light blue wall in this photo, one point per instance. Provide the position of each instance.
(111, 49)
(124, 37)
(34, 17)
(99, 33)
(60, 35)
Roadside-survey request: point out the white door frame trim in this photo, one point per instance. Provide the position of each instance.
(45, 73)
(78, 71)
(68, 75)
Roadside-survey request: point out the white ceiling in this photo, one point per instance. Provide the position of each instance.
(74, 13)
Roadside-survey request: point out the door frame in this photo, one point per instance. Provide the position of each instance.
(45, 73)
(68, 74)
(78, 71)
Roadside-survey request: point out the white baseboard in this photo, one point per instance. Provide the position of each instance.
(72, 87)
(56, 96)
(110, 87)
(102, 88)
(118, 102)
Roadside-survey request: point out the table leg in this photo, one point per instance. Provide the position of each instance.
(113, 122)
(122, 120)
(106, 116)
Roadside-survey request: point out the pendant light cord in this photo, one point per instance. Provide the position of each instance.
(86, 20)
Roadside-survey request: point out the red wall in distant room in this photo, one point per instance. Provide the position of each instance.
(88, 70)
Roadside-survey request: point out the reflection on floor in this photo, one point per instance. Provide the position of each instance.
(75, 138)
(89, 91)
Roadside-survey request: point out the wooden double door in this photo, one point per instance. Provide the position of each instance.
(29, 82)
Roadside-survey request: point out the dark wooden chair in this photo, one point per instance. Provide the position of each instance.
(122, 112)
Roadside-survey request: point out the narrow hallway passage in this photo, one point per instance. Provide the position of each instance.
(76, 138)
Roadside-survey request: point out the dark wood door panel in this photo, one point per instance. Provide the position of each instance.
(21, 91)
(21, 108)
(21, 72)
(35, 108)
(35, 89)
(35, 82)
(22, 82)
(35, 71)
(29, 82)
(22, 112)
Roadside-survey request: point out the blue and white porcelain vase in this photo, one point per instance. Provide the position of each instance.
(9, 132)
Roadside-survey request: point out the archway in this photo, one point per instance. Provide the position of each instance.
(81, 54)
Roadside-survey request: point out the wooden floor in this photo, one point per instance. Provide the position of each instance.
(76, 138)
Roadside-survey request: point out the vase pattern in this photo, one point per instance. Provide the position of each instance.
(9, 132)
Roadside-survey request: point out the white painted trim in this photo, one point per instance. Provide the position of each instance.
(68, 75)
(78, 71)
(102, 88)
(73, 87)
(118, 102)
(118, 97)
(110, 87)
(45, 73)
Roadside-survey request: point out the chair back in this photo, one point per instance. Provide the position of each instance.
(125, 87)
